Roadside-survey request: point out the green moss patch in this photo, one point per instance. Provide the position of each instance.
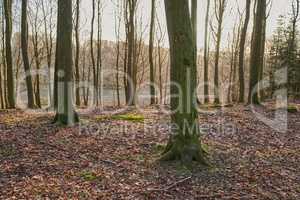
(89, 176)
(126, 117)
(289, 108)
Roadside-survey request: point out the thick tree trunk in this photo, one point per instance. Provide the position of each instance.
(256, 52)
(8, 54)
(151, 61)
(242, 53)
(24, 46)
(184, 144)
(65, 112)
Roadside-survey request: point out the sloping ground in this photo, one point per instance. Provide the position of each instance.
(112, 158)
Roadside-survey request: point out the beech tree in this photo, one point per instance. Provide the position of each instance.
(151, 60)
(77, 52)
(130, 87)
(256, 56)
(24, 46)
(8, 54)
(220, 6)
(242, 53)
(206, 54)
(65, 112)
(184, 143)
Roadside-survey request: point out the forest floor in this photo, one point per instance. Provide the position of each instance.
(113, 157)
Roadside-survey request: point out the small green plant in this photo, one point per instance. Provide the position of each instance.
(158, 148)
(89, 176)
(205, 147)
(292, 109)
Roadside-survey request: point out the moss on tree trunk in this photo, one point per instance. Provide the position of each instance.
(184, 143)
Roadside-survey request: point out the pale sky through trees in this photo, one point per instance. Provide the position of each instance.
(279, 7)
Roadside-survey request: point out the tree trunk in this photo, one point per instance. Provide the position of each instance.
(184, 144)
(65, 113)
(8, 53)
(219, 16)
(99, 53)
(242, 53)
(93, 57)
(206, 57)
(24, 44)
(131, 8)
(117, 33)
(49, 46)
(151, 41)
(256, 52)
(77, 74)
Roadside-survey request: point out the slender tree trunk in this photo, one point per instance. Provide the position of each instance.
(65, 113)
(93, 56)
(256, 51)
(184, 144)
(49, 46)
(219, 16)
(8, 53)
(262, 61)
(151, 41)
(4, 89)
(160, 66)
(24, 46)
(242, 53)
(131, 52)
(206, 57)
(117, 33)
(37, 65)
(117, 73)
(99, 53)
(2, 64)
(1, 89)
(77, 74)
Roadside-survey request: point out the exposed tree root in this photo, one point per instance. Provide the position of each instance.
(186, 151)
(63, 119)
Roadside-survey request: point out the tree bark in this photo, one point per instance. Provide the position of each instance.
(93, 56)
(48, 42)
(8, 54)
(65, 114)
(131, 87)
(77, 74)
(242, 53)
(184, 144)
(99, 53)
(256, 52)
(206, 55)
(219, 16)
(151, 62)
(24, 46)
